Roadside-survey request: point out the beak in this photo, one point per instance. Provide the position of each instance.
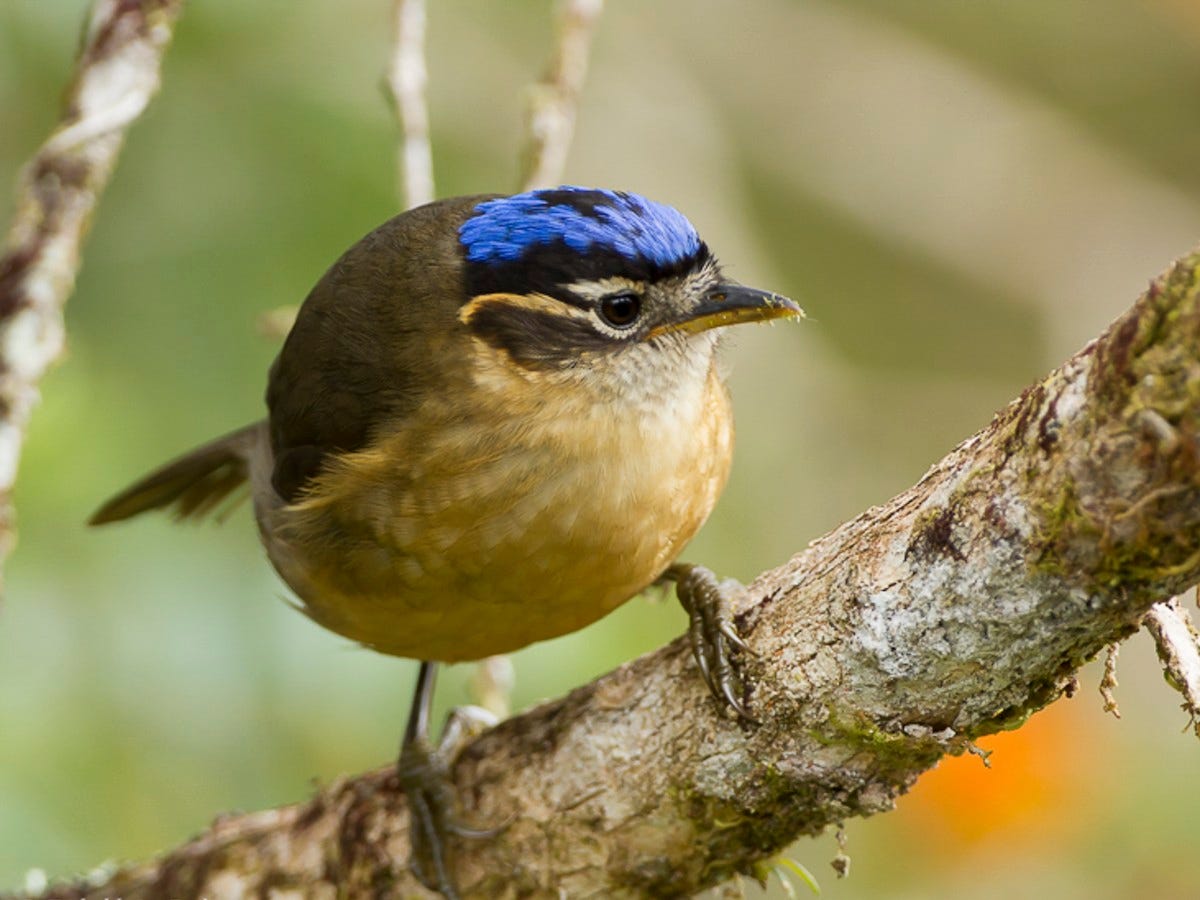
(728, 304)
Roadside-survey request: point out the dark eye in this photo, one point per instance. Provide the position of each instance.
(620, 310)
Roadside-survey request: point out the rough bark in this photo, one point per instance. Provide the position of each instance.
(953, 611)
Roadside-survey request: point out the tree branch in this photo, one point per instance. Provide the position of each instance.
(553, 101)
(116, 74)
(1179, 651)
(406, 81)
(955, 610)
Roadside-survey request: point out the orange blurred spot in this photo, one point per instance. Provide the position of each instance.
(1038, 789)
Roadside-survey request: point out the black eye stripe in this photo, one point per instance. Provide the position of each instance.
(535, 338)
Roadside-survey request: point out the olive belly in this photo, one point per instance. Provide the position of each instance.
(472, 579)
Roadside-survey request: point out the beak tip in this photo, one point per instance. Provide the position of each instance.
(786, 305)
(796, 309)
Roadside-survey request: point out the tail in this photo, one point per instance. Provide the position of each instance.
(192, 485)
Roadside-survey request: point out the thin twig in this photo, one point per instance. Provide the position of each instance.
(1178, 646)
(553, 101)
(116, 74)
(491, 685)
(841, 862)
(406, 80)
(985, 756)
(1108, 683)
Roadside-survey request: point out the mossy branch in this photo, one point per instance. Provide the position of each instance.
(955, 610)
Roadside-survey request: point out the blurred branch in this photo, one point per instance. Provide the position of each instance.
(553, 101)
(116, 74)
(491, 685)
(1179, 651)
(955, 610)
(406, 80)
(274, 324)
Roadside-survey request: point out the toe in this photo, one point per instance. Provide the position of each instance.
(711, 630)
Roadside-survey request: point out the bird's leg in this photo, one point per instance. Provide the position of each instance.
(711, 629)
(424, 774)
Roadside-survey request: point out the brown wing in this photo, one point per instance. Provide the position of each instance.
(378, 331)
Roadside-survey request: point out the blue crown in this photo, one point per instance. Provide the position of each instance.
(504, 229)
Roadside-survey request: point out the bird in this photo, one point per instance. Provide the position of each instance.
(495, 419)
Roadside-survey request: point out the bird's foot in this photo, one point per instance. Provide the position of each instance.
(424, 775)
(711, 629)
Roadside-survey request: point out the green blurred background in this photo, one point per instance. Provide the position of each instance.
(961, 194)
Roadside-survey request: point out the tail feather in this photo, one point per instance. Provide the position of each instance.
(191, 486)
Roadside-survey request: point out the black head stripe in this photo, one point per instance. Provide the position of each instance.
(549, 268)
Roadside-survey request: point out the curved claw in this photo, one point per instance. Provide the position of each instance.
(475, 834)
(424, 776)
(699, 649)
(711, 630)
(728, 629)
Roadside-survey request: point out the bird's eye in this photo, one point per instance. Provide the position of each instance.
(620, 310)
